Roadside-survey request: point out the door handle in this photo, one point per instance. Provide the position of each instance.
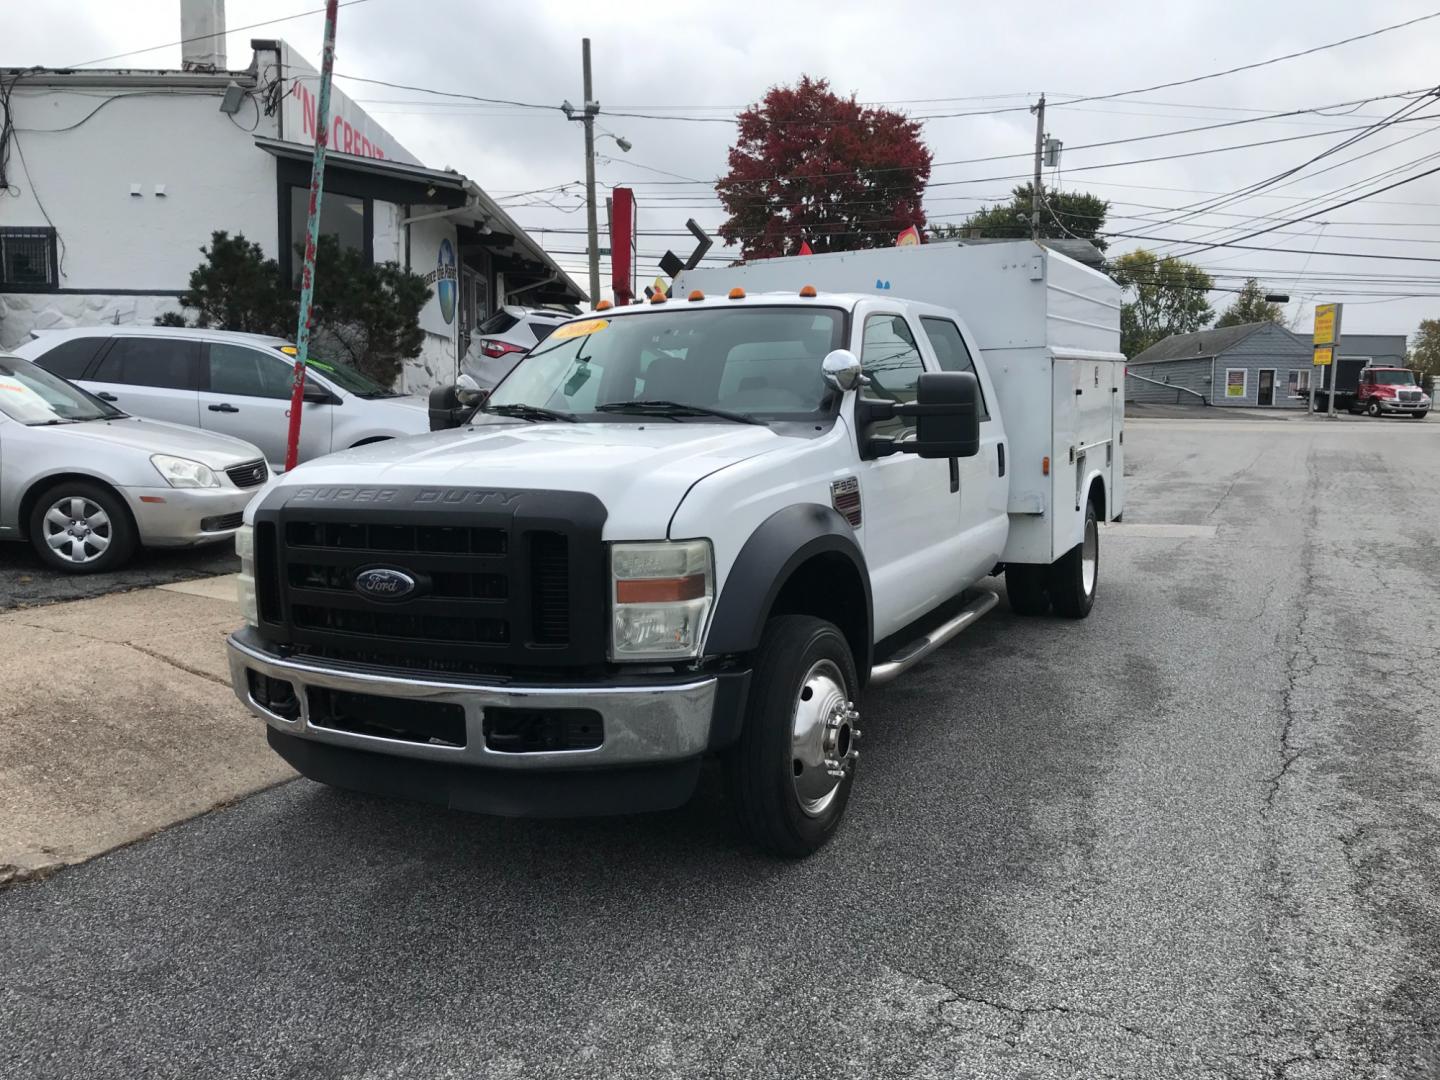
(105, 395)
(223, 407)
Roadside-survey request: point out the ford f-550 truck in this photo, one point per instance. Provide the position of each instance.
(691, 528)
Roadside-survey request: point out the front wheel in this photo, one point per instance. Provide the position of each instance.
(1421, 415)
(1074, 576)
(790, 774)
(1374, 408)
(81, 528)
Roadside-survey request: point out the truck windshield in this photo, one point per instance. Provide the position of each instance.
(1393, 378)
(757, 362)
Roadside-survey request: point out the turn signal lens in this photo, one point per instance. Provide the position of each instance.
(737, 293)
(1045, 466)
(660, 590)
(697, 295)
(808, 290)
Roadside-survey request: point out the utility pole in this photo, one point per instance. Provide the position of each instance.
(312, 233)
(1039, 110)
(591, 227)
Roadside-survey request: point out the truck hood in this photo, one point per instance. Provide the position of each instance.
(640, 471)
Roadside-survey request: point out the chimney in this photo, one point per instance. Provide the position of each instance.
(202, 26)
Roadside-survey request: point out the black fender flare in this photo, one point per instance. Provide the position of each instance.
(783, 542)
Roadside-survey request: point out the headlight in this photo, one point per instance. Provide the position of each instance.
(181, 472)
(662, 592)
(245, 580)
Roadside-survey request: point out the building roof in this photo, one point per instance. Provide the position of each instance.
(1202, 343)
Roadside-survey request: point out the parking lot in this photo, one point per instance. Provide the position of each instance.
(1196, 835)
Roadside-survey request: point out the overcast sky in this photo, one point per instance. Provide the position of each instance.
(706, 60)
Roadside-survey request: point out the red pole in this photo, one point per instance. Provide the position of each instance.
(312, 232)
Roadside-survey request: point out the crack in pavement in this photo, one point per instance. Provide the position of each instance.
(143, 650)
(1233, 481)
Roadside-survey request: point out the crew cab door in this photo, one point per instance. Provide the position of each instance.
(912, 518)
(984, 486)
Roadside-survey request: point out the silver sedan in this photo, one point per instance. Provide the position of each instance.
(85, 484)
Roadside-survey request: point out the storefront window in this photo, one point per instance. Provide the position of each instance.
(341, 216)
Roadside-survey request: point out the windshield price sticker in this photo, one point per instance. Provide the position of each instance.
(580, 329)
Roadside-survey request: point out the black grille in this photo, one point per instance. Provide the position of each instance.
(434, 723)
(221, 522)
(500, 580)
(1409, 395)
(248, 475)
(550, 583)
(529, 731)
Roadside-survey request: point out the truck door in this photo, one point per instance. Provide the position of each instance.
(912, 515)
(984, 494)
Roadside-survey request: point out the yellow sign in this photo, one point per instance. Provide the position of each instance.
(1324, 356)
(579, 329)
(1324, 325)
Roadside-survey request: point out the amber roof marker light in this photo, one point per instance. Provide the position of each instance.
(697, 295)
(737, 293)
(808, 291)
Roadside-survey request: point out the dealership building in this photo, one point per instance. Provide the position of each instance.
(114, 179)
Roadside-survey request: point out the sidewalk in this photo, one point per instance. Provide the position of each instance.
(116, 720)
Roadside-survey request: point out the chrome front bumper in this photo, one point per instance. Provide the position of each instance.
(643, 724)
(1387, 405)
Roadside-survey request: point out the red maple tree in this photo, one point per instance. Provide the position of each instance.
(810, 165)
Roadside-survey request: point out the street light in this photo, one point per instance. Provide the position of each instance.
(587, 117)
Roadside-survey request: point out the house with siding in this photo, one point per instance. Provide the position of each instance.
(1256, 364)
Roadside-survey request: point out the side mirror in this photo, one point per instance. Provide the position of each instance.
(948, 415)
(453, 406)
(315, 394)
(842, 371)
(468, 392)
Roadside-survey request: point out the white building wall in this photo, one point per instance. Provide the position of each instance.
(211, 174)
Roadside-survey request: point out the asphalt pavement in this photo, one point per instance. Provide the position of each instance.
(1196, 835)
(27, 582)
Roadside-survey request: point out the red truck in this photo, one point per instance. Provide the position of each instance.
(1383, 391)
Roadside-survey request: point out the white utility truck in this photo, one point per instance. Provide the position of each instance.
(695, 527)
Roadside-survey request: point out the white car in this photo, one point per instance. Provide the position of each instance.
(504, 338)
(84, 483)
(227, 383)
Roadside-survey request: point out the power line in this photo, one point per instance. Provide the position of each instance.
(1257, 64)
(1271, 181)
(206, 37)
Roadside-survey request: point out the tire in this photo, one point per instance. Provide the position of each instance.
(1420, 415)
(1075, 576)
(80, 527)
(800, 711)
(1373, 409)
(1028, 589)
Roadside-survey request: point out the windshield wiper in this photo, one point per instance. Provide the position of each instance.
(674, 409)
(530, 412)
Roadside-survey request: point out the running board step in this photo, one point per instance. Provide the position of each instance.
(923, 646)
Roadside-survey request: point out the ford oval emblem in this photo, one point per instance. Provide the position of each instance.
(384, 583)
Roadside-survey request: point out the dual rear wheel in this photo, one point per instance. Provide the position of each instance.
(1068, 586)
